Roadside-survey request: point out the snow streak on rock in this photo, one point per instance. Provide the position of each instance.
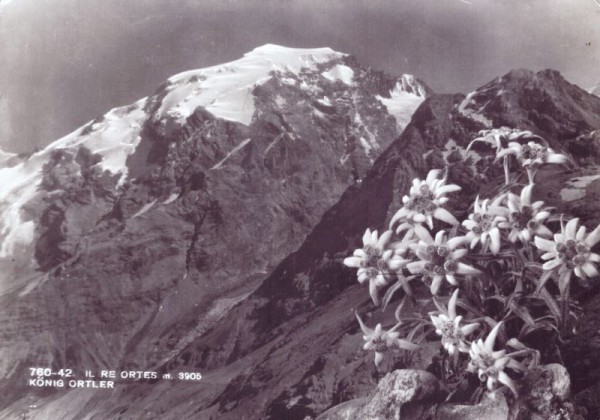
(468, 108)
(404, 99)
(113, 136)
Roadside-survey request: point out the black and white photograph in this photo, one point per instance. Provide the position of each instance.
(300, 209)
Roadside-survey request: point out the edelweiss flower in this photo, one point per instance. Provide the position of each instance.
(381, 341)
(490, 364)
(448, 326)
(373, 261)
(425, 203)
(570, 253)
(525, 219)
(439, 260)
(412, 229)
(532, 155)
(498, 137)
(483, 224)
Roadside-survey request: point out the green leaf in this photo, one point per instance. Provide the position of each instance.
(543, 280)
(521, 312)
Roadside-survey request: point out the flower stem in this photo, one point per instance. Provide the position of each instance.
(564, 309)
(531, 175)
(506, 171)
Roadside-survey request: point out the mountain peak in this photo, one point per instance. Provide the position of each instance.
(230, 97)
(278, 50)
(512, 99)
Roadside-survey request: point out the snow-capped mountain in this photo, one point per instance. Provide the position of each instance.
(171, 209)
(285, 94)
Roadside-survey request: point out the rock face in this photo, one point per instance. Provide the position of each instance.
(402, 394)
(123, 241)
(411, 394)
(291, 348)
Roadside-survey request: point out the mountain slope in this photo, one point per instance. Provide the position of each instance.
(141, 229)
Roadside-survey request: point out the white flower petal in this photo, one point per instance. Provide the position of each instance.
(593, 257)
(419, 218)
(593, 238)
(383, 240)
(366, 239)
(571, 228)
(469, 224)
(589, 269)
(543, 230)
(362, 275)
(432, 175)
(451, 279)
(430, 221)
(400, 214)
(402, 226)
(541, 216)
(557, 158)
(467, 270)
(447, 189)
(445, 216)
(416, 267)
(436, 282)
(552, 264)
(505, 379)
(469, 329)
(352, 262)
(360, 253)
(423, 234)
(491, 338)
(545, 244)
(458, 253)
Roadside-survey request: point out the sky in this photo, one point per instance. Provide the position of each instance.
(65, 62)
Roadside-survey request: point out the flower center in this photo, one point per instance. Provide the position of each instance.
(451, 335)
(422, 201)
(379, 344)
(373, 256)
(572, 253)
(522, 219)
(535, 152)
(381, 265)
(485, 223)
(439, 261)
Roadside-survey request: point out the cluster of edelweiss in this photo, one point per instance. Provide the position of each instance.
(509, 228)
